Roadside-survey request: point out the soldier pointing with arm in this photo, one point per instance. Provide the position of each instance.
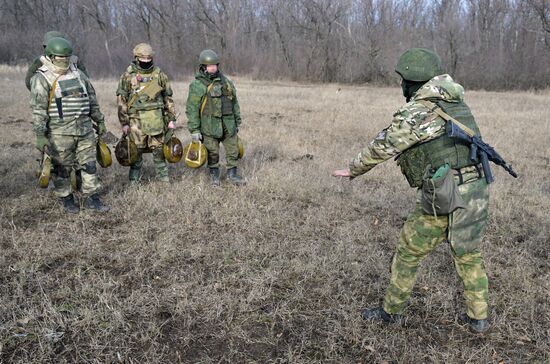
(452, 191)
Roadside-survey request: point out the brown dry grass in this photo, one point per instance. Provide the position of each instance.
(276, 271)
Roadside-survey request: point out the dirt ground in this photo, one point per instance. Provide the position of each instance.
(277, 271)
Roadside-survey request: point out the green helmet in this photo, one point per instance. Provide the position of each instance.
(208, 56)
(50, 35)
(419, 64)
(59, 47)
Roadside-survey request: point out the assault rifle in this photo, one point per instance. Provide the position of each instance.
(479, 150)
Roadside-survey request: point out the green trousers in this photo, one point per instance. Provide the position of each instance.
(423, 233)
(230, 143)
(161, 168)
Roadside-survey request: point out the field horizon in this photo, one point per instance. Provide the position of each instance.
(276, 271)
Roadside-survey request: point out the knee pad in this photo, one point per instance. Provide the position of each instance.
(90, 167)
(61, 171)
(158, 153)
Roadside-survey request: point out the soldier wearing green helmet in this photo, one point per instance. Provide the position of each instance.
(428, 157)
(36, 64)
(214, 116)
(65, 113)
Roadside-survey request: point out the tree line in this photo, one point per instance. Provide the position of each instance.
(491, 44)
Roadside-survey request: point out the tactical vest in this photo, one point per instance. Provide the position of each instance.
(428, 156)
(68, 98)
(218, 100)
(146, 101)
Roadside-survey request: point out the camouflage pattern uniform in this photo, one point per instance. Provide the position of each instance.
(145, 104)
(218, 119)
(413, 126)
(66, 119)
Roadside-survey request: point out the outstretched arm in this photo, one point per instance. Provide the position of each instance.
(411, 125)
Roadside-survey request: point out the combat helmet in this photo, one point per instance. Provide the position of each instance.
(49, 35)
(143, 50)
(58, 46)
(173, 150)
(208, 56)
(126, 152)
(419, 64)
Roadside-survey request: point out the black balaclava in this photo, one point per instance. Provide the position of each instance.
(410, 88)
(146, 66)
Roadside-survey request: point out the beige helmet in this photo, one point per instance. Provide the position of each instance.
(143, 50)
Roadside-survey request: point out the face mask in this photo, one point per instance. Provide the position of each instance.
(410, 88)
(62, 63)
(145, 65)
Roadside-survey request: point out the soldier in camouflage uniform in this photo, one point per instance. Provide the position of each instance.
(37, 63)
(65, 114)
(214, 116)
(418, 138)
(146, 110)
(33, 68)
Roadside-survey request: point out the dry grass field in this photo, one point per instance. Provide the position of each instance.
(277, 271)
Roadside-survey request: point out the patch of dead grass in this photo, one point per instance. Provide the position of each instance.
(276, 271)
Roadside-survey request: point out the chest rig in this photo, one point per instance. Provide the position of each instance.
(218, 100)
(145, 90)
(429, 156)
(68, 97)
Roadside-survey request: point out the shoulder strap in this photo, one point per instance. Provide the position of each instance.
(203, 104)
(432, 106)
(52, 91)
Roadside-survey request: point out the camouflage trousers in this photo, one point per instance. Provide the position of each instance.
(231, 145)
(422, 233)
(68, 151)
(154, 145)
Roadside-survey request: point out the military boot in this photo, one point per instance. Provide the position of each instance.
(94, 203)
(215, 176)
(478, 326)
(69, 205)
(378, 314)
(234, 177)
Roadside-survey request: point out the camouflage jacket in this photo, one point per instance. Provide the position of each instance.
(212, 123)
(129, 84)
(413, 123)
(40, 100)
(37, 63)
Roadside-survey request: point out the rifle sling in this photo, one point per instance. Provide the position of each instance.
(205, 98)
(439, 111)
